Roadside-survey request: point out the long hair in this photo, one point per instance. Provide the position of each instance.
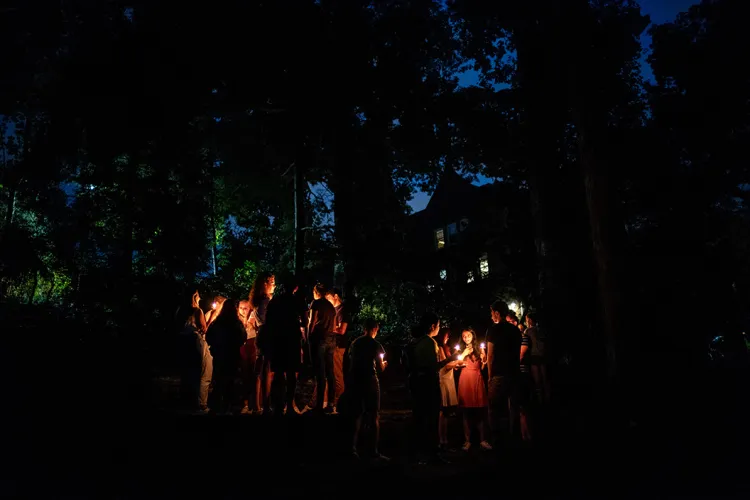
(258, 291)
(474, 342)
(187, 311)
(228, 315)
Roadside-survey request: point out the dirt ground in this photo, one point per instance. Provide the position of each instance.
(147, 449)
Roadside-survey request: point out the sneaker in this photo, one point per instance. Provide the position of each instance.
(329, 410)
(334, 410)
(306, 409)
(246, 411)
(466, 446)
(295, 409)
(485, 446)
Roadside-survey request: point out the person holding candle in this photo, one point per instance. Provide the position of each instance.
(261, 294)
(283, 321)
(447, 387)
(225, 337)
(503, 369)
(249, 354)
(366, 361)
(216, 306)
(424, 383)
(322, 341)
(196, 360)
(472, 393)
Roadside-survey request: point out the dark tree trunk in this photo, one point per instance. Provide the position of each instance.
(36, 285)
(608, 240)
(299, 213)
(214, 249)
(544, 122)
(51, 289)
(11, 208)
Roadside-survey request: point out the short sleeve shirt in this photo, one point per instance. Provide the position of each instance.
(506, 345)
(525, 341)
(363, 356)
(326, 318)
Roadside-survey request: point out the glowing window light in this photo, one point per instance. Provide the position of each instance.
(439, 238)
(484, 266)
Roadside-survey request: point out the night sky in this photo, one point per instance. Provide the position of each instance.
(661, 11)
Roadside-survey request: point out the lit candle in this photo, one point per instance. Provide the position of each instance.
(482, 345)
(213, 306)
(382, 356)
(460, 357)
(458, 347)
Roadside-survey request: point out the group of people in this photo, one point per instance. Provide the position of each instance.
(269, 337)
(498, 379)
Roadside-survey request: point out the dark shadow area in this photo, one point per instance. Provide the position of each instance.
(85, 424)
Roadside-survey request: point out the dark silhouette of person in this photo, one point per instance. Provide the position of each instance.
(284, 325)
(424, 383)
(225, 337)
(322, 346)
(366, 358)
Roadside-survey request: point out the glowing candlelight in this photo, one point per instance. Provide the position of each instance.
(382, 356)
(482, 345)
(458, 347)
(460, 357)
(213, 306)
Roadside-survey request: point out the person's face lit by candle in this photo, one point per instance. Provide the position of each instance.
(467, 337)
(244, 309)
(270, 285)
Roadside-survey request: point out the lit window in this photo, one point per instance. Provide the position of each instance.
(470, 277)
(443, 274)
(440, 238)
(484, 266)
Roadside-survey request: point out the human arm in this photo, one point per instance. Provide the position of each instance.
(490, 358)
(524, 346)
(312, 321)
(447, 361)
(380, 362)
(200, 320)
(341, 328)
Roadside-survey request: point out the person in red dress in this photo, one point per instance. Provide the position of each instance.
(472, 393)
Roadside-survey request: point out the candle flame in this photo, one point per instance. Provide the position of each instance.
(382, 355)
(482, 345)
(213, 306)
(458, 347)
